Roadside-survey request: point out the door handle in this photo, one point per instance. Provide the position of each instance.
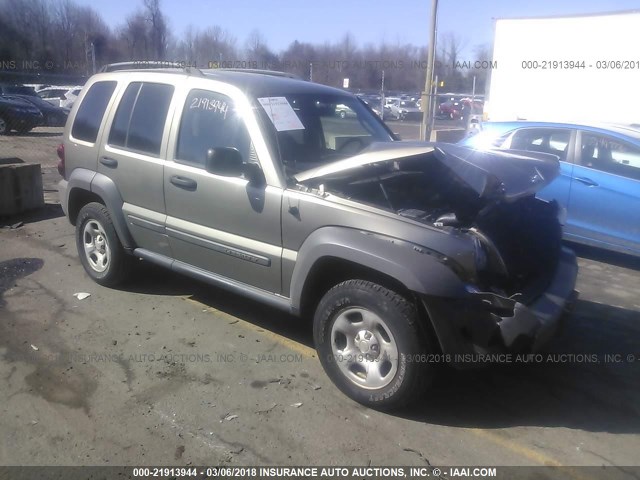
(184, 182)
(586, 181)
(109, 162)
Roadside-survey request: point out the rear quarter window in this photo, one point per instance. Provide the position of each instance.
(91, 111)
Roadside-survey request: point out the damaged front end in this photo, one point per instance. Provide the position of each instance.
(522, 279)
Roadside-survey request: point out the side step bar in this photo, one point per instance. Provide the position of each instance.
(262, 296)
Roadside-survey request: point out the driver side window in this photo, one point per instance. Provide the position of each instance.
(209, 120)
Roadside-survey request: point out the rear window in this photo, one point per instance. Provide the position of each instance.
(89, 116)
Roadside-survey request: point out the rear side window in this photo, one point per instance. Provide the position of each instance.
(89, 116)
(551, 141)
(139, 121)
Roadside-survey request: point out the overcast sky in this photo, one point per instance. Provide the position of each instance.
(370, 21)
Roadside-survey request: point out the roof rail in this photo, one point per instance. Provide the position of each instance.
(149, 65)
(273, 73)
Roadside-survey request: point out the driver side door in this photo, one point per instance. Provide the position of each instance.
(221, 224)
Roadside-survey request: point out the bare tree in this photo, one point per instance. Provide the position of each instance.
(450, 71)
(257, 51)
(299, 58)
(134, 35)
(482, 54)
(158, 31)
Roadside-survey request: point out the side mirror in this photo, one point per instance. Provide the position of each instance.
(225, 161)
(254, 174)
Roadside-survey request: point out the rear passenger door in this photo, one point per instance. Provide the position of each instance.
(604, 206)
(133, 155)
(222, 224)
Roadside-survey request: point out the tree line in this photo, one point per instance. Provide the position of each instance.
(66, 38)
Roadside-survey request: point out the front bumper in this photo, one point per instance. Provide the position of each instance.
(488, 323)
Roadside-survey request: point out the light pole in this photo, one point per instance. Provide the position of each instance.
(382, 97)
(428, 99)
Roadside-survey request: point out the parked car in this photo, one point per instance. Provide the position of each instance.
(52, 116)
(374, 105)
(404, 110)
(13, 89)
(451, 109)
(18, 115)
(251, 182)
(344, 111)
(60, 96)
(599, 184)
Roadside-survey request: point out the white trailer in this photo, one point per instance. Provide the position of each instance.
(567, 69)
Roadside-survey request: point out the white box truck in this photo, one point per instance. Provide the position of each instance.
(567, 69)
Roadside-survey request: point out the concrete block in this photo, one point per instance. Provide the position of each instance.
(20, 188)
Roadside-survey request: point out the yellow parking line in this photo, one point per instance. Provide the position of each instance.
(521, 450)
(534, 456)
(308, 352)
(284, 341)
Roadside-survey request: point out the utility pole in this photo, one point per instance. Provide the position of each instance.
(311, 71)
(428, 99)
(93, 57)
(382, 97)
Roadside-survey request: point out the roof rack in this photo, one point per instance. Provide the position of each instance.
(150, 65)
(273, 73)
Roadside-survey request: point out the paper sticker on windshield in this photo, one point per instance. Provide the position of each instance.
(281, 114)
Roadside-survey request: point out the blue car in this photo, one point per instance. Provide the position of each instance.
(599, 181)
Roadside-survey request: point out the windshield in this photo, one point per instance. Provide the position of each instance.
(320, 128)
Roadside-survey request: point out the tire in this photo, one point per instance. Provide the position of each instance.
(99, 247)
(24, 129)
(343, 114)
(4, 126)
(359, 328)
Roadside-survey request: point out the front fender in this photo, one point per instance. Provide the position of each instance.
(419, 269)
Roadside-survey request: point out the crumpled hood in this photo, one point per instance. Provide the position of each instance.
(510, 174)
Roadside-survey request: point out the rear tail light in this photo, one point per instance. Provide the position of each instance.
(60, 152)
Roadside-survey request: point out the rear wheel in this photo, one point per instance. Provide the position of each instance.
(4, 126)
(370, 344)
(99, 247)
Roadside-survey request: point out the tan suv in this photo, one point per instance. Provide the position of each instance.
(403, 254)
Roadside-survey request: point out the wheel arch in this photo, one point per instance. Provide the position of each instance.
(86, 186)
(334, 254)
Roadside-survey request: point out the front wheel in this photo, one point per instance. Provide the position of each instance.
(99, 247)
(370, 343)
